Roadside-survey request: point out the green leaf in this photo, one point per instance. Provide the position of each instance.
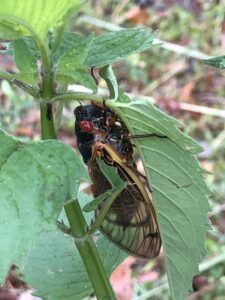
(110, 173)
(217, 62)
(76, 76)
(74, 58)
(35, 180)
(114, 46)
(22, 81)
(8, 32)
(25, 60)
(70, 68)
(22, 77)
(109, 196)
(32, 46)
(6, 75)
(69, 40)
(178, 189)
(29, 18)
(63, 275)
(95, 203)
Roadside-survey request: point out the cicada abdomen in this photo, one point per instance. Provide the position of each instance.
(131, 221)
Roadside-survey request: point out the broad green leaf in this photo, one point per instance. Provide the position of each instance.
(178, 189)
(54, 267)
(29, 18)
(114, 46)
(70, 67)
(109, 47)
(35, 180)
(25, 60)
(217, 62)
(69, 41)
(74, 58)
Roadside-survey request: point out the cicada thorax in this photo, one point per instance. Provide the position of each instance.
(131, 220)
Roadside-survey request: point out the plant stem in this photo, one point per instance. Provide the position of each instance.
(47, 124)
(79, 228)
(88, 252)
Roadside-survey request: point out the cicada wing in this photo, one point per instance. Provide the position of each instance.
(131, 220)
(131, 224)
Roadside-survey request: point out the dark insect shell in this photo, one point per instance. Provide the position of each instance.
(131, 220)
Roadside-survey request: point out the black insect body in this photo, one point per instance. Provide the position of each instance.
(131, 221)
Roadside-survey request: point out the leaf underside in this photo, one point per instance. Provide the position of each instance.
(35, 180)
(179, 191)
(55, 269)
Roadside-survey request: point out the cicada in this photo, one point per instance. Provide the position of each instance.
(131, 221)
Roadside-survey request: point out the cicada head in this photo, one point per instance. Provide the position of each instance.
(89, 118)
(93, 123)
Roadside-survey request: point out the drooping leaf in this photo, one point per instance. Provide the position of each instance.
(29, 18)
(217, 62)
(178, 188)
(35, 180)
(114, 46)
(25, 61)
(63, 275)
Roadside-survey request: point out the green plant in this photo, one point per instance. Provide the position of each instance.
(39, 179)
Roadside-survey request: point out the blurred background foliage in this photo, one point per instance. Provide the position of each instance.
(173, 76)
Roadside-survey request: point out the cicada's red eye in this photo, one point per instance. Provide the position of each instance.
(86, 126)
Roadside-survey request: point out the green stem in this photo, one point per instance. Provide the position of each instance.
(47, 124)
(88, 252)
(79, 228)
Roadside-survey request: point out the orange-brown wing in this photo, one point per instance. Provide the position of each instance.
(131, 221)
